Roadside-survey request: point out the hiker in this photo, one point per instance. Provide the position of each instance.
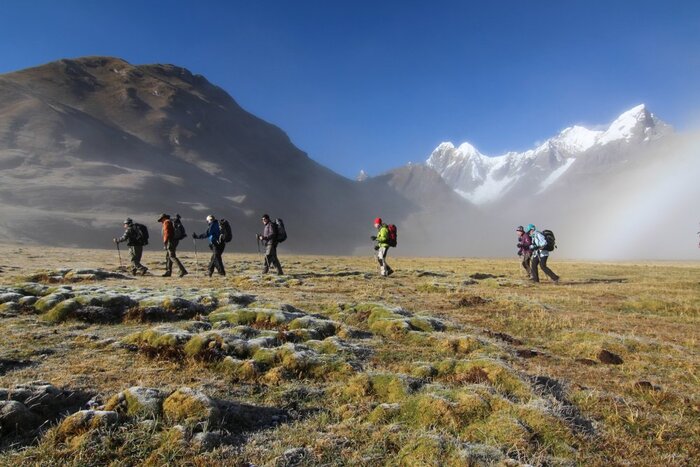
(269, 238)
(216, 245)
(382, 246)
(524, 242)
(170, 245)
(134, 241)
(539, 255)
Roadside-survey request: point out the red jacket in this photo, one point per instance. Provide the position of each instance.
(168, 230)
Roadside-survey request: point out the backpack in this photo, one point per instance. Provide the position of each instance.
(393, 234)
(178, 229)
(141, 234)
(281, 231)
(551, 241)
(225, 231)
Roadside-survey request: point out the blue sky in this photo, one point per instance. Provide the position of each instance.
(372, 85)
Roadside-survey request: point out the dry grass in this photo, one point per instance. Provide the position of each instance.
(648, 314)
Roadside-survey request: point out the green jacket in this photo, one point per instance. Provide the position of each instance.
(383, 236)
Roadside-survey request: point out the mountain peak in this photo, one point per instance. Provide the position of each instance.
(637, 123)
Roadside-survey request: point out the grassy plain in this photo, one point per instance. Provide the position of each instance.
(447, 362)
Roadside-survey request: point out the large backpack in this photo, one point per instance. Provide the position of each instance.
(178, 229)
(551, 241)
(281, 231)
(393, 235)
(141, 234)
(225, 233)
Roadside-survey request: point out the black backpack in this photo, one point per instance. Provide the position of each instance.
(225, 233)
(281, 231)
(178, 228)
(551, 241)
(141, 234)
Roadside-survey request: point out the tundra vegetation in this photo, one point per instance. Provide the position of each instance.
(446, 362)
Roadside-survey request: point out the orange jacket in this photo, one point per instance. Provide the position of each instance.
(168, 230)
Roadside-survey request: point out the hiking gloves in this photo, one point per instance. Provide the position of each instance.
(373, 237)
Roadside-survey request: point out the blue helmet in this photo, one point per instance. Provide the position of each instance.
(530, 227)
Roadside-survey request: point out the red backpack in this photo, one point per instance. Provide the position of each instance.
(392, 235)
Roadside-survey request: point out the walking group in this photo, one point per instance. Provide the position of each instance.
(534, 248)
(218, 234)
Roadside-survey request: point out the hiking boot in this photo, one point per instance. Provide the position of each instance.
(183, 273)
(167, 274)
(265, 271)
(133, 272)
(144, 271)
(390, 272)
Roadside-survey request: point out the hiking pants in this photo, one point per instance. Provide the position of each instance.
(216, 262)
(384, 268)
(542, 262)
(526, 262)
(136, 252)
(271, 259)
(171, 257)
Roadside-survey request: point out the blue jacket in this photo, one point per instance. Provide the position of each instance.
(212, 233)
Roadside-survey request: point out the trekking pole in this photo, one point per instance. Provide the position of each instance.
(260, 252)
(196, 261)
(121, 266)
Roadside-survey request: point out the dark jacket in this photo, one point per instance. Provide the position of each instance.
(525, 242)
(130, 236)
(269, 235)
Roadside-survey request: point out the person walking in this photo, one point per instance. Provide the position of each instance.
(270, 241)
(170, 245)
(382, 246)
(133, 240)
(216, 245)
(539, 255)
(524, 242)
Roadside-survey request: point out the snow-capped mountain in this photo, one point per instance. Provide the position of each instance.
(483, 179)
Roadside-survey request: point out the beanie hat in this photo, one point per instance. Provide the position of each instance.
(378, 220)
(163, 216)
(531, 227)
(128, 221)
(520, 229)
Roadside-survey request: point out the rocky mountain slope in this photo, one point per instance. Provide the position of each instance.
(86, 142)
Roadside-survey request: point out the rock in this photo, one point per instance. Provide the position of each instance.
(99, 314)
(607, 357)
(16, 417)
(206, 441)
(191, 407)
(527, 353)
(84, 421)
(137, 401)
(198, 326)
(646, 386)
(9, 365)
(430, 274)
(293, 457)
(10, 297)
(480, 276)
(28, 300)
(504, 337)
(471, 300)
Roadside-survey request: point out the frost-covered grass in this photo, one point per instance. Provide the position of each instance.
(408, 370)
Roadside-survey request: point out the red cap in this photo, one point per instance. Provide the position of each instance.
(378, 220)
